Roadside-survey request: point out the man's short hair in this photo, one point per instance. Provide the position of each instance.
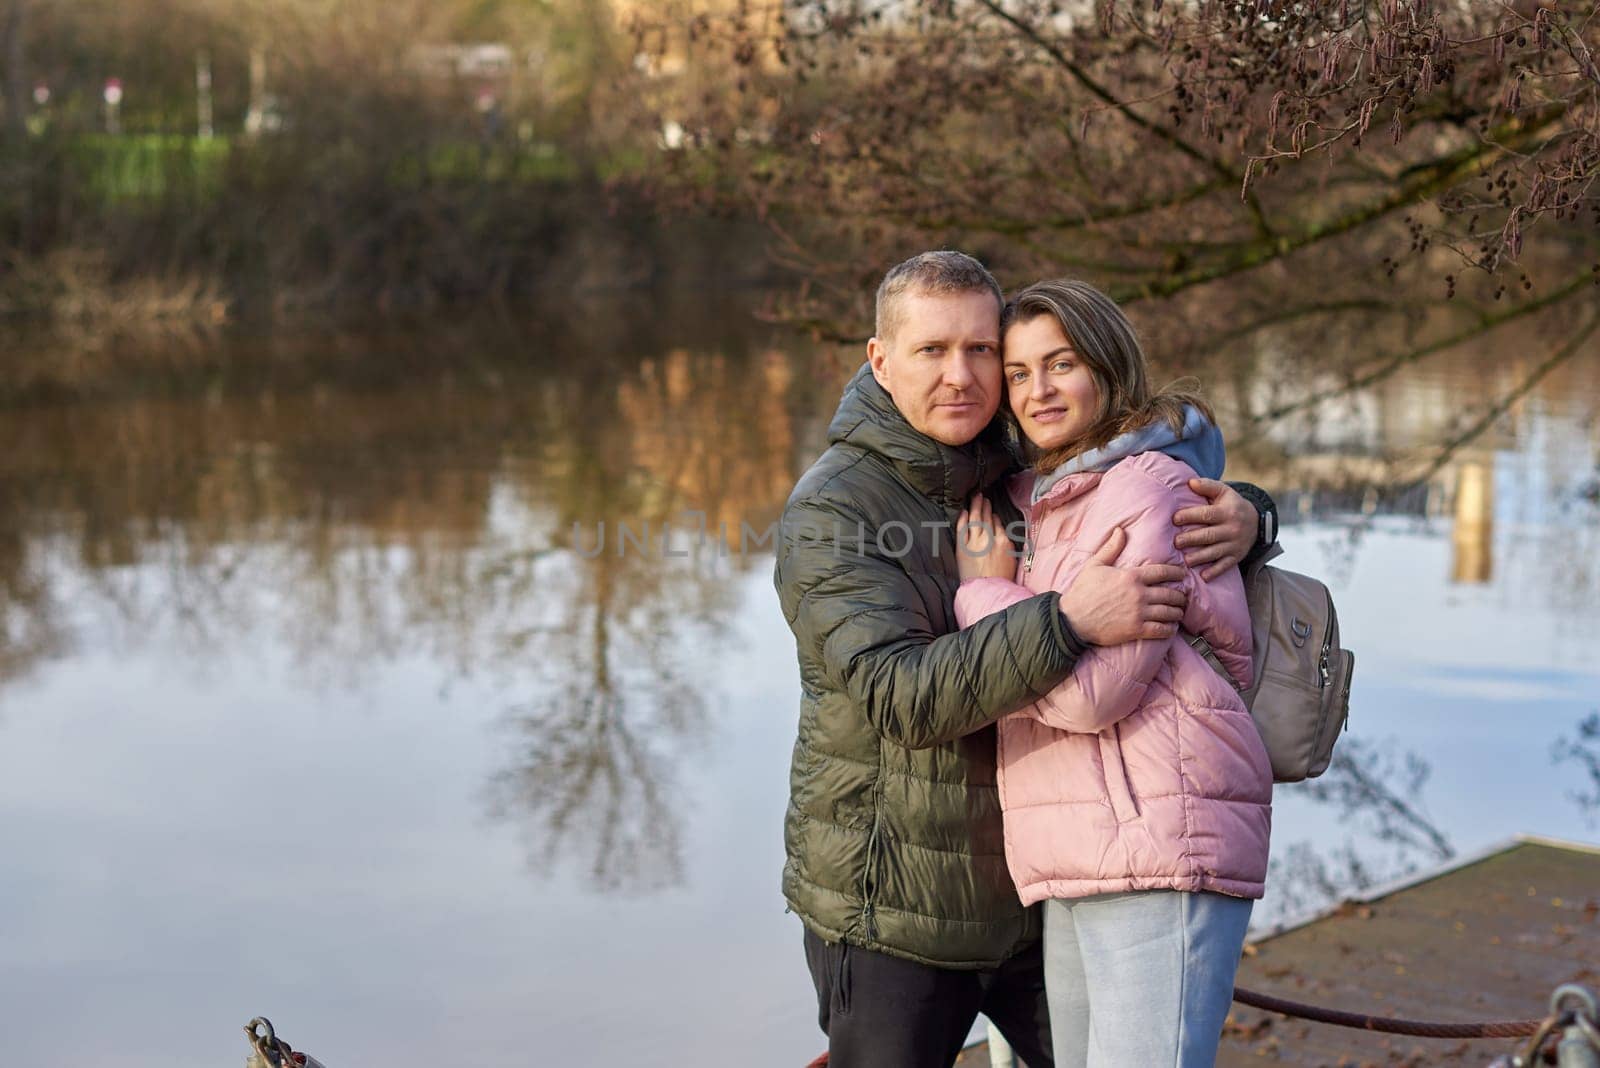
(930, 273)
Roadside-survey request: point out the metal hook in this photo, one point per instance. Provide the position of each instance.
(1572, 991)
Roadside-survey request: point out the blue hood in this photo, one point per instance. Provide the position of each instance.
(1199, 445)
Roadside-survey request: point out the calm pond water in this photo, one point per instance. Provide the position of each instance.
(315, 701)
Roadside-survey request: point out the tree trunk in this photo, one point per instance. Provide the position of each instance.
(15, 83)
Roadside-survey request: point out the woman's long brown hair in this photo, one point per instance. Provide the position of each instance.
(1105, 341)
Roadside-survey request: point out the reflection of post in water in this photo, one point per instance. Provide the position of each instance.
(1472, 536)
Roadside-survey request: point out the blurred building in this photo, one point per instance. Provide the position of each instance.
(670, 31)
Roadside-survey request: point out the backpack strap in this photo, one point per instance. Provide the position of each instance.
(1253, 568)
(1203, 647)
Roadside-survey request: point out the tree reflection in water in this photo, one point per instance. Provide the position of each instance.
(355, 501)
(1377, 797)
(412, 495)
(596, 755)
(31, 630)
(600, 750)
(1583, 749)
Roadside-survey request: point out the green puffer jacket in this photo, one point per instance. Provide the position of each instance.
(893, 830)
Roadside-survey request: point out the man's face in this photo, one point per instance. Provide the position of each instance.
(942, 366)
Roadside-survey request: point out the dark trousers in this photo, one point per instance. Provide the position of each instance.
(880, 1011)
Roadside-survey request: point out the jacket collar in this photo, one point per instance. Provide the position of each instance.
(1198, 444)
(949, 475)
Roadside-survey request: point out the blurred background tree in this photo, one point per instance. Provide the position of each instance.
(1411, 173)
(306, 153)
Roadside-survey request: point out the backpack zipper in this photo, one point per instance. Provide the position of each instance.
(1327, 649)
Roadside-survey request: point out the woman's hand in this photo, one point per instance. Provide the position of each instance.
(982, 548)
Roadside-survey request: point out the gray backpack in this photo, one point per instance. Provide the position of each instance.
(1300, 697)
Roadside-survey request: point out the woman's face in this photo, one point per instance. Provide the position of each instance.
(1049, 387)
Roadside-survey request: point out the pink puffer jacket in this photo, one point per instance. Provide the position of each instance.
(1143, 770)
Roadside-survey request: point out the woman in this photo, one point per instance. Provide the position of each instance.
(1137, 794)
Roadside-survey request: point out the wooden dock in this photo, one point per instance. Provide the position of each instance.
(1485, 938)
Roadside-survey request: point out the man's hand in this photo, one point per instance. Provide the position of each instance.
(1109, 605)
(982, 549)
(1222, 531)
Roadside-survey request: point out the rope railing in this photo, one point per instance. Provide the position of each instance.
(1385, 1024)
(1580, 1017)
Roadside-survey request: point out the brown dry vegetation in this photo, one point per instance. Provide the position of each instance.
(1353, 186)
(376, 180)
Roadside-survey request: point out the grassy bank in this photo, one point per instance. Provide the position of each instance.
(118, 169)
(147, 166)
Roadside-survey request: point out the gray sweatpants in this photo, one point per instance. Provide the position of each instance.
(1142, 978)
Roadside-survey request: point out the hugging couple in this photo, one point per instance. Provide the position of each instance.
(1017, 790)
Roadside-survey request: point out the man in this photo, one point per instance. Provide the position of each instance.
(895, 848)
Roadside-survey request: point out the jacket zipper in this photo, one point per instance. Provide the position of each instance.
(1027, 562)
(868, 883)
